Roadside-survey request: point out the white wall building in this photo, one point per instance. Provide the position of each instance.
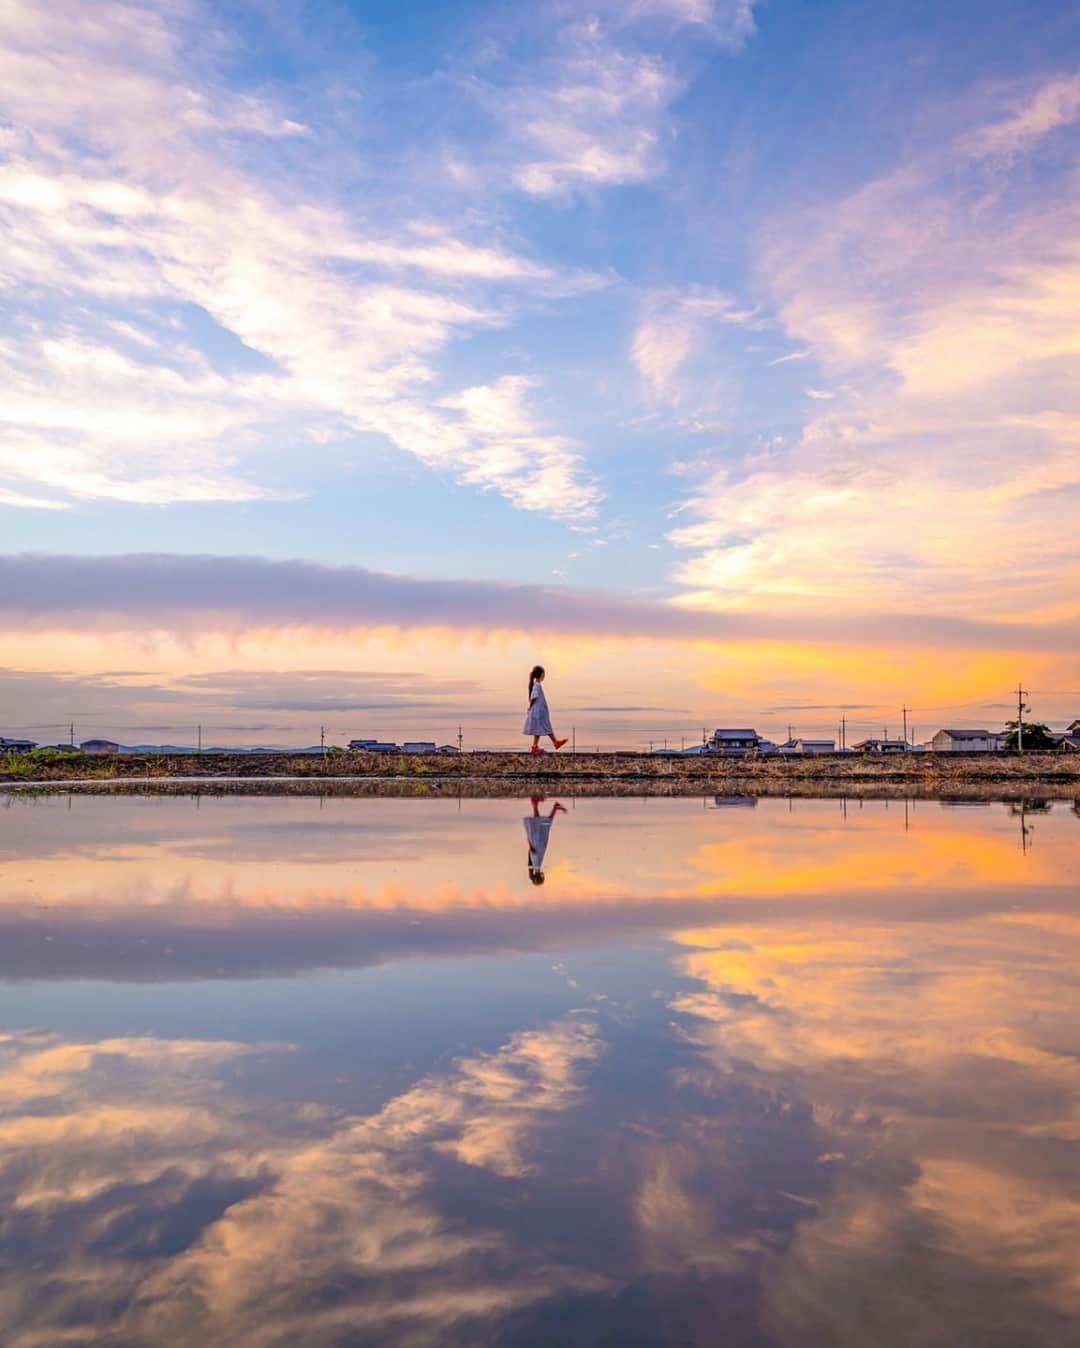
(965, 742)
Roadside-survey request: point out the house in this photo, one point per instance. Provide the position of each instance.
(808, 747)
(1073, 729)
(882, 746)
(448, 749)
(965, 742)
(99, 747)
(362, 744)
(1069, 744)
(9, 746)
(418, 747)
(733, 741)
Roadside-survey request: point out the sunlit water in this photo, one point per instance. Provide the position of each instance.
(282, 1072)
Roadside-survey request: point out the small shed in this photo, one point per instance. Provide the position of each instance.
(99, 747)
(810, 747)
(881, 746)
(418, 747)
(964, 742)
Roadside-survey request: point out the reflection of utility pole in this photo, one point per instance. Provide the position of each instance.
(1023, 828)
(1020, 709)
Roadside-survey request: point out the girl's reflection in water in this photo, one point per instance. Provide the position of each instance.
(538, 832)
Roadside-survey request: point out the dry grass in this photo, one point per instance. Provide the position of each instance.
(518, 774)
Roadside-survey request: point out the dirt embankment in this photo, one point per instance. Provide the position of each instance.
(515, 774)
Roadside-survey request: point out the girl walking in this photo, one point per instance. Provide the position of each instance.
(538, 719)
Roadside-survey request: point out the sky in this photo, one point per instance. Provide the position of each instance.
(721, 355)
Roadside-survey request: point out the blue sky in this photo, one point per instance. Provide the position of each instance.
(756, 308)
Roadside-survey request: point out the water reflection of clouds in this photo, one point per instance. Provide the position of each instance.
(843, 1109)
(174, 891)
(941, 1062)
(207, 1222)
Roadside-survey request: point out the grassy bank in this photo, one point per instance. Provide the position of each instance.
(916, 774)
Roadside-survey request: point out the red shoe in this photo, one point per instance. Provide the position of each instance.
(559, 743)
(537, 750)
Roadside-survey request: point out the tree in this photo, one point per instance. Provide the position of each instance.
(1036, 736)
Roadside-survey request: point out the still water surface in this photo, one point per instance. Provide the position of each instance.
(280, 1072)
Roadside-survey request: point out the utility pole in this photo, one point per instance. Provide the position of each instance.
(200, 739)
(71, 734)
(460, 739)
(843, 732)
(904, 711)
(1021, 707)
(573, 740)
(322, 739)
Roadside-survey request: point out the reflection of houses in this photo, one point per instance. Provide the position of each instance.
(99, 747)
(965, 742)
(808, 747)
(727, 802)
(875, 746)
(733, 741)
(10, 746)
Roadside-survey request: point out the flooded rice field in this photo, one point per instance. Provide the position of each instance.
(284, 1071)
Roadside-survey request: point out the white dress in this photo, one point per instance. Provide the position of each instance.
(538, 832)
(538, 721)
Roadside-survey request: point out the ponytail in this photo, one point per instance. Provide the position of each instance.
(537, 672)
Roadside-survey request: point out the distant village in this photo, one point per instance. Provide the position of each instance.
(724, 741)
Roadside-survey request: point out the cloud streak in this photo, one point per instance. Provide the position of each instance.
(196, 593)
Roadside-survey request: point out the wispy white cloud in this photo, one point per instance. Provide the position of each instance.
(944, 472)
(507, 453)
(1052, 105)
(594, 119)
(672, 329)
(592, 108)
(346, 319)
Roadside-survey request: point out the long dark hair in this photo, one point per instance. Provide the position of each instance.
(536, 673)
